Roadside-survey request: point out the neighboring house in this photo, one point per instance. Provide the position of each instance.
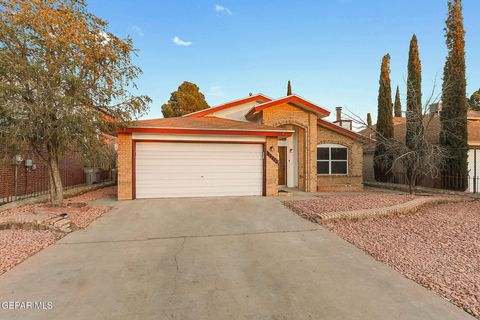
(433, 136)
(251, 146)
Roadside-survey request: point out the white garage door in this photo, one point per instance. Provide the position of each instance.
(165, 169)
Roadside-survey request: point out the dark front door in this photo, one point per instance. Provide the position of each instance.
(282, 166)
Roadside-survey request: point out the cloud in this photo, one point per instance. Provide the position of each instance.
(180, 42)
(222, 10)
(138, 31)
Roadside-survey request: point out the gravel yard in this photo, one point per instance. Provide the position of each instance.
(437, 247)
(336, 203)
(18, 245)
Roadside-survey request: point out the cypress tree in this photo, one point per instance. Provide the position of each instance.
(384, 122)
(414, 95)
(397, 107)
(369, 119)
(453, 134)
(289, 88)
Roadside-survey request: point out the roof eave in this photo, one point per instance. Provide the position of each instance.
(231, 104)
(341, 130)
(241, 132)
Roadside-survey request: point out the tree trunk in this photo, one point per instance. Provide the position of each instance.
(412, 180)
(56, 187)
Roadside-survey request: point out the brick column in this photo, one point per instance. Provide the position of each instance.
(311, 186)
(271, 168)
(125, 166)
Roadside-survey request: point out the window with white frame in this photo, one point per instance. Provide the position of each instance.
(332, 159)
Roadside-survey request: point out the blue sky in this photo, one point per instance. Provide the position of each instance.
(330, 49)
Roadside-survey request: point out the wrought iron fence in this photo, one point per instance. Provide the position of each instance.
(469, 183)
(21, 183)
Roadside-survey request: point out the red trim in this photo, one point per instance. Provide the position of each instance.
(264, 191)
(342, 130)
(202, 141)
(238, 132)
(134, 155)
(289, 99)
(134, 169)
(257, 97)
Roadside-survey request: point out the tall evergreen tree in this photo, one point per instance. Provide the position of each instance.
(384, 130)
(369, 119)
(414, 95)
(185, 100)
(397, 107)
(289, 88)
(453, 134)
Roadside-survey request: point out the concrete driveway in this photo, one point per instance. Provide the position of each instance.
(226, 258)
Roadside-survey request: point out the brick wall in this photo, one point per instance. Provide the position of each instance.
(125, 163)
(271, 168)
(286, 114)
(352, 181)
(36, 181)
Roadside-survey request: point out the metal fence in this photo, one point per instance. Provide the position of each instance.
(31, 184)
(467, 183)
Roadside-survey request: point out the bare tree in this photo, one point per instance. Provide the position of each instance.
(421, 157)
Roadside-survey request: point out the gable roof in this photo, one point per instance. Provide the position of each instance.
(342, 130)
(292, 99)
(433, 132)
(205, 125)
(254, 98)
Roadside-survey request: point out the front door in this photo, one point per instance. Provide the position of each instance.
(282, 166)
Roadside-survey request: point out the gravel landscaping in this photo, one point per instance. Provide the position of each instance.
(17, 245)
(336, 203)
(437, 247)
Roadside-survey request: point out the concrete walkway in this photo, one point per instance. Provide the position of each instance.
(226, 258)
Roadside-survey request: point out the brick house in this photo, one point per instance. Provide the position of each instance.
(251, 146)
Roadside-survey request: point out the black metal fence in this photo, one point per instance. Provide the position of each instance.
(448, 182)
(466, 183)
(17, 186)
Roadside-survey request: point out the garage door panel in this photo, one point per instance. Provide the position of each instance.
(174, 163)
(198, 169)
(243, 176)
(201, 155)
(195, 192)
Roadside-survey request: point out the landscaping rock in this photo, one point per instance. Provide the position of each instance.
(437, 247)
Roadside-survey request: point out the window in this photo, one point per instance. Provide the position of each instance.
(332, 159)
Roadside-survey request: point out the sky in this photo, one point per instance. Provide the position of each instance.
(330, 49)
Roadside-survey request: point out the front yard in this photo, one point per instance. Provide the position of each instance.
(16, 245)
(345, 202)
(437, 247)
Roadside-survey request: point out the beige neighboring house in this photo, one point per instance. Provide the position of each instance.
(433, 136)
(251, 146)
